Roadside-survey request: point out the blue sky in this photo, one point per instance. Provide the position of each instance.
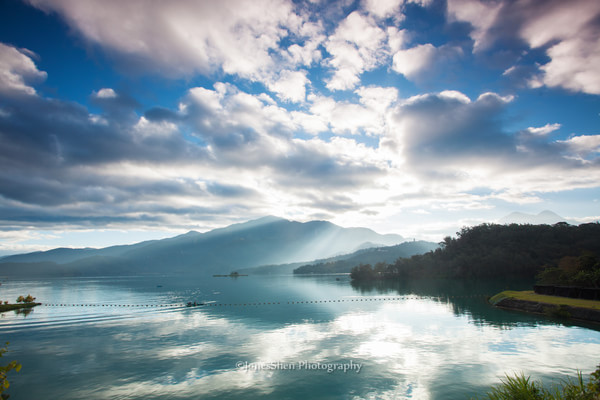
(125, 121)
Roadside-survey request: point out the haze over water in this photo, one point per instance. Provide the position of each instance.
(437, 340)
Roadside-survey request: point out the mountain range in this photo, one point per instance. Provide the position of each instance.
(545, 217)
(387, 255)
(268, 240)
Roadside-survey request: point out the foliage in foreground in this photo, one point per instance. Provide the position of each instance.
(520, 387)
(4, 370)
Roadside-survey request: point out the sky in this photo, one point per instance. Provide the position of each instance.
(122, 121)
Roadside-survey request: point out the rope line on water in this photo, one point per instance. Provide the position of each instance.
(248, 304)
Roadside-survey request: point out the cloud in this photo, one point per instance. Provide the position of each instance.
(352, 118)
(481, 15)
(543, 130)
(457, 144)
(291, 86)
(105, 93)
(424, 60)
(383, 8)
(567, 32)
(413, 61)
(185, 37)
(357, 45)
(583, 146)
(17, 69)
(244, 132)
(296, 124)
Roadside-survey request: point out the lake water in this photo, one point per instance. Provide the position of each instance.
(132, 339)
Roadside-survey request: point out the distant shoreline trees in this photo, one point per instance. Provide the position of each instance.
(494, 251)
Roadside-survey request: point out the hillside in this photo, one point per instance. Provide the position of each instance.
(492, 251)
(268, 240)
(368, 256)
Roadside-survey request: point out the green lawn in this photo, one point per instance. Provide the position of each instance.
(541, 298)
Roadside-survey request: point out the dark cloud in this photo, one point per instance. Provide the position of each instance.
(116, 106)
(53, 152)
(230, 191)
(161, 114)
(447, 138)
(441, 128)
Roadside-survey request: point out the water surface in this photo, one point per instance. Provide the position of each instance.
(131, 338)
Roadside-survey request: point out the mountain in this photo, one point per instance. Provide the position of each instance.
(368, 256)
(544, 218)
(268, 240)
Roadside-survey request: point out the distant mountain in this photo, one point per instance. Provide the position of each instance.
(268, 240)
(369, 256)
(545, 217)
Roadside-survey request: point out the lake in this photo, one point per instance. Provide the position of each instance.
(279, 337)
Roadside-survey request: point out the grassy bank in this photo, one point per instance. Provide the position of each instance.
(529, 295)
(10, 307)
(524, 388)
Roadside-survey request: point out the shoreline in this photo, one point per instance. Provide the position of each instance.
(11, 307)
(552, 306)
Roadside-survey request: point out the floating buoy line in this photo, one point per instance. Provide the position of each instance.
(269, 303)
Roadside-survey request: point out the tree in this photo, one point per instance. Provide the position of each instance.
(362, 272)
(4, 370)
(27, 299)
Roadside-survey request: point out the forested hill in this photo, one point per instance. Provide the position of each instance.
(381, 254)
(491, 251)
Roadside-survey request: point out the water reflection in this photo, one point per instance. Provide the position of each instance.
(466, 298)
(427, 345)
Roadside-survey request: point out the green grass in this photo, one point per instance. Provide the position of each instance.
(519, 387)
(542, 298)
(10, 307)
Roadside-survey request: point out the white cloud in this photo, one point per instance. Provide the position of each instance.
(383, 8)
(558, 21)
(543, 130)
(573, 65)
(576, 44)
(145, 129)
(397, 38)
(106, 93)
(184, 37)
(346, 117)
(481, 15)
(569, 32)
(456, 95)
(495, 97)
(583, 145)
(291, 86)
(377, 98)
(414, 61)
(16, 68)
(357, 45)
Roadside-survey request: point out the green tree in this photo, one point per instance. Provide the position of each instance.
(4, 370)
(26, 299)
(363, 272)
